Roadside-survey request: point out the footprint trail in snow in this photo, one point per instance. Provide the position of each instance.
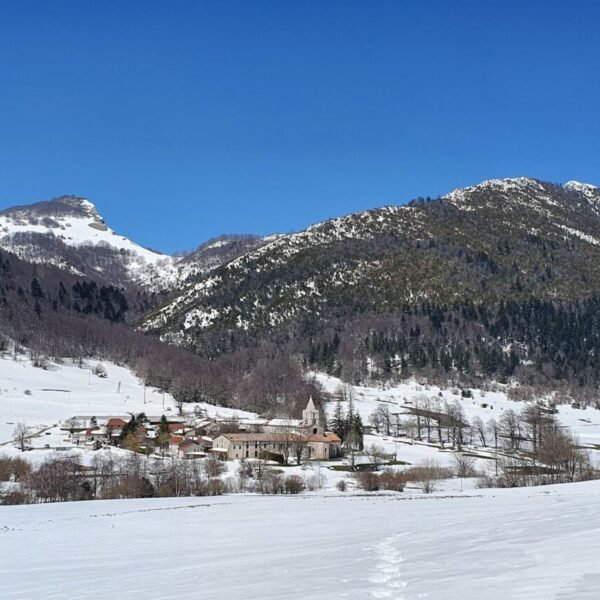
(386, 574)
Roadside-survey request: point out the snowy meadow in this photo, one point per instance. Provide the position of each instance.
(529, 544)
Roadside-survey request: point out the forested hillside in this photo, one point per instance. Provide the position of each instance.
(62, 316)
(497, 280)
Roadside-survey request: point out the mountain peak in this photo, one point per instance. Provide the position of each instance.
(77, 203)
(56, 208)
(509, 182)
(580, 186)
(462, 197)
(75, 206)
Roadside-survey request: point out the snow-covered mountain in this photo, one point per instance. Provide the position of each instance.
(515, 234)
(69, 233)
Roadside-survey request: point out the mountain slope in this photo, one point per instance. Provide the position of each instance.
(69, 233)
(511, 239)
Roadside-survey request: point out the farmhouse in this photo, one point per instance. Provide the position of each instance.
(255, 445)
(302, 437)
(189, 448)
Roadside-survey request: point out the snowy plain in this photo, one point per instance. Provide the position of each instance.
(529, 544)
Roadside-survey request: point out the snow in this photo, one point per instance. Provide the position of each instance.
(76, 223)
(76, 231)
(529, 544)
(459, 542)
(85, 229)
(66, 390)
(200, 318)
(584, 423)
(581, 235)
(584, 188)
(279, 250)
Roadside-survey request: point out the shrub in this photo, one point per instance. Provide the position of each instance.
(215, 487)
(245, 470)
(167, 489)
(294, 484)
(214, 467)
(20, 468)
(100, 371)
(486, 481)
(427, 474)
(341, 485)
(368, 481)
(271, 482)
(392, 480)
(314, 482)
(465, 465)
(6, 468)
(15, 497)
(316, 479)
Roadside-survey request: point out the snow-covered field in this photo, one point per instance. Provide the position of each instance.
(529, 544)
(44, 398)
(584, 423)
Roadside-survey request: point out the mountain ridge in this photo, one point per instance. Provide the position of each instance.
(457, 242)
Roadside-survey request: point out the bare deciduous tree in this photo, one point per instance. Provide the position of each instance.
(478, 427)
(376, 455)
(20, 435)
(465, 465)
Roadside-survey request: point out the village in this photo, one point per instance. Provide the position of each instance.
(109, 436)
(196, 436)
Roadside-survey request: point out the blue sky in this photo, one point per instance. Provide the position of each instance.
(184, 120)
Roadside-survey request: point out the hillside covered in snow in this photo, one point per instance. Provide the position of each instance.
(69, 233)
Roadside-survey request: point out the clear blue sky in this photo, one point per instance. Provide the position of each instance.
(184, 120)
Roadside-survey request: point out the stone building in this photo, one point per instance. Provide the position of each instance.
(308, 437)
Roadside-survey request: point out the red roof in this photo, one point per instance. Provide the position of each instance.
(187, 442)
(176, 439)
(116, 423)
(328, 437)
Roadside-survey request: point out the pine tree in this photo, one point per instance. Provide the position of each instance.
(338, 421)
